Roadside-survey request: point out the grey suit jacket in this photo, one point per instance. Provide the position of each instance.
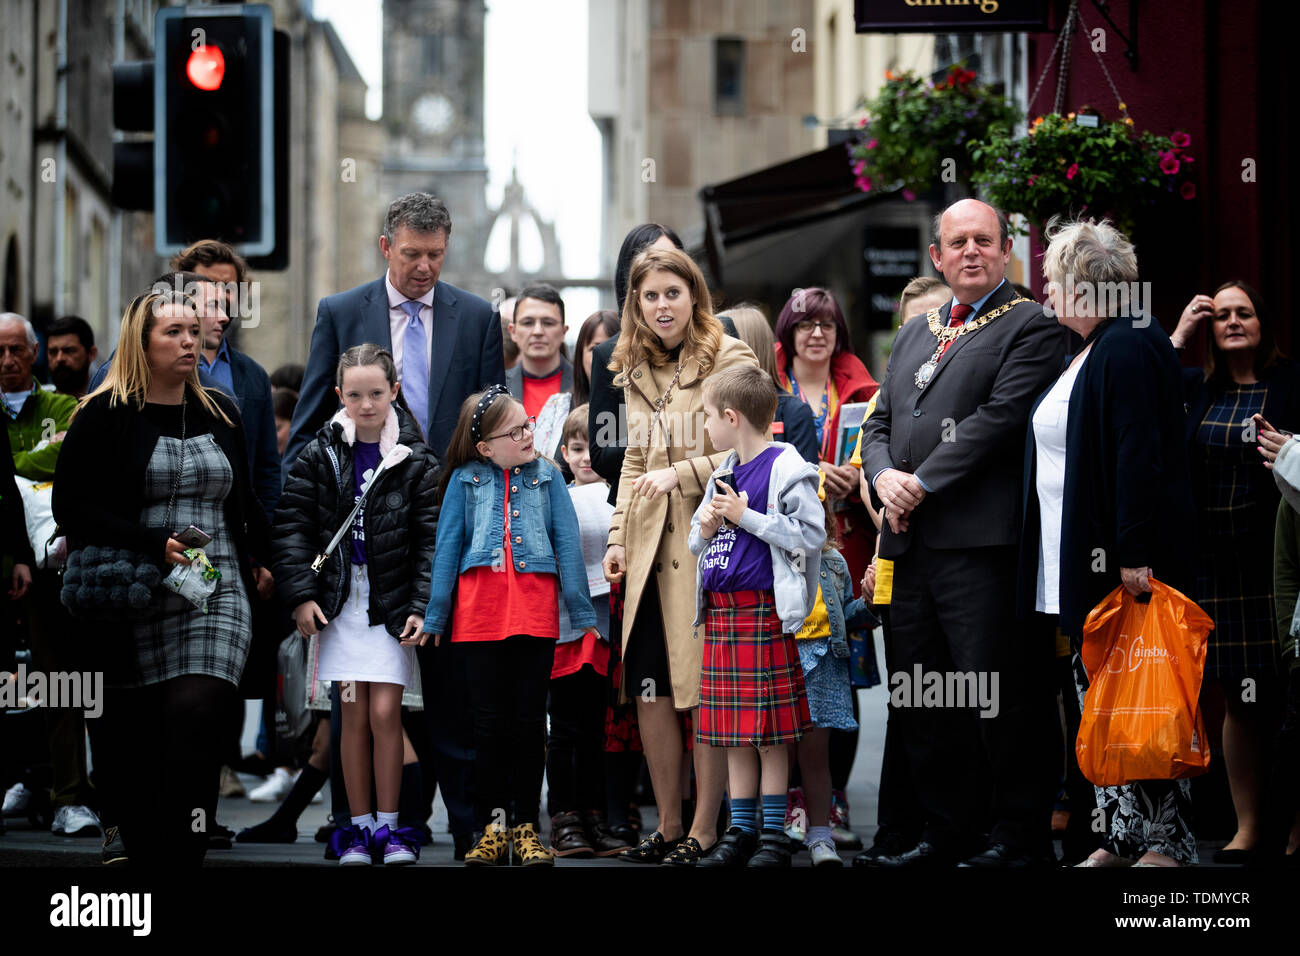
(964, 434)
(466, 357)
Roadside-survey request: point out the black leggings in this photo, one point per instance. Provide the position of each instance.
(164, 745)
(509, 681)
(575, 754)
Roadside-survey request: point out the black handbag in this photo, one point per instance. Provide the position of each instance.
(103, 583)
(111, 584)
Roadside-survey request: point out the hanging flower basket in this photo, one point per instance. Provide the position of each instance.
(1068, 167)
(915, 134)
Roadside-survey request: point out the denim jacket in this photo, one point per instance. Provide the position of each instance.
(846, 612)
(794, 526)
(471, 528)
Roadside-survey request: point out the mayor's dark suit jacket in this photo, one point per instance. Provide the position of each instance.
(979, 397)
(1127, 499)
(466, 357)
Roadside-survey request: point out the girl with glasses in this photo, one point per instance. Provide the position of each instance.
(508, 551)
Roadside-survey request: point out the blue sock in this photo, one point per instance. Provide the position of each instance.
(773, 812)
(744, 813)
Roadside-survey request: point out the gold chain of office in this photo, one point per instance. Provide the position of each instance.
(946, 334)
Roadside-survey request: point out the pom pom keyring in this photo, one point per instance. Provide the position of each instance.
(489, 396)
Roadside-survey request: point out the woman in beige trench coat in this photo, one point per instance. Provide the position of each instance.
(669, 343)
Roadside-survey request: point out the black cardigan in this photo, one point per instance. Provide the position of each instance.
(99, 481)
(1127, 500)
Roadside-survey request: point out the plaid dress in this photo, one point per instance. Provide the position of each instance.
(751, 685)
(1234, 571)
(182, 639)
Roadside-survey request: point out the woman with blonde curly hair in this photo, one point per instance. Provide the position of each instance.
(669, 343)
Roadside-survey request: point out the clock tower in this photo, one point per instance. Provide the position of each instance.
(433, 121)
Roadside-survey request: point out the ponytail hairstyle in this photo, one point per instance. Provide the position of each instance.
(480, 414)
(371, 354)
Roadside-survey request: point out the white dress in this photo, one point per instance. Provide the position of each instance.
(351, 649)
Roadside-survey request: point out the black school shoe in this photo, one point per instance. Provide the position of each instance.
(269, 831)
(773, 851)
(735, 849)
(220, 838)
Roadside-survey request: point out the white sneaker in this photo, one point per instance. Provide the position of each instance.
(76, 821)
(16, 799)
(275, 789)
(823, 853)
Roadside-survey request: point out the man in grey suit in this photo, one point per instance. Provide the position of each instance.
(943, 453)
(446, 341)
(447, 346)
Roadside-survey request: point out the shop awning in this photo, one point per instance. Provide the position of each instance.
(777, 199)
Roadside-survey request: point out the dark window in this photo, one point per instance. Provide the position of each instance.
(433, 54)
(729, 76)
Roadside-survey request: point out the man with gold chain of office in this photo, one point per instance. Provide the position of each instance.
(943, 453)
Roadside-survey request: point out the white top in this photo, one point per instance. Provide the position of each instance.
(591, 503)
(1050, 420)
(398, 320)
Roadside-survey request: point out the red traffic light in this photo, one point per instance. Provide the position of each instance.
(206, 68)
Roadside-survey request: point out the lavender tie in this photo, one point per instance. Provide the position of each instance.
(415, 366)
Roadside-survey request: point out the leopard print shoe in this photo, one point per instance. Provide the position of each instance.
(491, 849)
(528, 847)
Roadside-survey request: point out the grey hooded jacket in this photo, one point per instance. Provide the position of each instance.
(794, 526)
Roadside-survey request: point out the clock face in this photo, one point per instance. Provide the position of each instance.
(432, 113)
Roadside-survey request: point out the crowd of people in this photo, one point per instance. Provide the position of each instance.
(664, 551)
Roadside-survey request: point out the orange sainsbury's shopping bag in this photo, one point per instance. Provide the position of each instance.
(1141, 719)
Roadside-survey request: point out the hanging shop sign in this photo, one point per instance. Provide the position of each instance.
(950, 16)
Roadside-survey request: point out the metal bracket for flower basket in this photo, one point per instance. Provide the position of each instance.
(1064, 46)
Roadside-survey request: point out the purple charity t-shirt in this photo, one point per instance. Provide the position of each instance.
(736, 560)
(364, 461)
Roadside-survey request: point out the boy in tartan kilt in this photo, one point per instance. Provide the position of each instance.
(758, 534)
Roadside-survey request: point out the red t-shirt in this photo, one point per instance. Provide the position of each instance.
(538, 390)
(493, 604)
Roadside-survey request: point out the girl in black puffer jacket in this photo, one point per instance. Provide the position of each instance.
(369, 596)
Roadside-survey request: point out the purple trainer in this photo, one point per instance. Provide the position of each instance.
(401, 845)
(357, 847)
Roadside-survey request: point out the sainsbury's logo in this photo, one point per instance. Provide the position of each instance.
(1133, 655)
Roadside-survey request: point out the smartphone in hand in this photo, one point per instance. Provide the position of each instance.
(193, 537)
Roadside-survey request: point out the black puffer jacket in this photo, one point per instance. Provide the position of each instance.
(401, 520)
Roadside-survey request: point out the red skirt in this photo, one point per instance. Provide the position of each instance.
(751, 685)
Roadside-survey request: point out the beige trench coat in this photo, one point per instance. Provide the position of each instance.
(655, 533)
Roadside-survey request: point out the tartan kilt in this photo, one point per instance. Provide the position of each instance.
(751, 684)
